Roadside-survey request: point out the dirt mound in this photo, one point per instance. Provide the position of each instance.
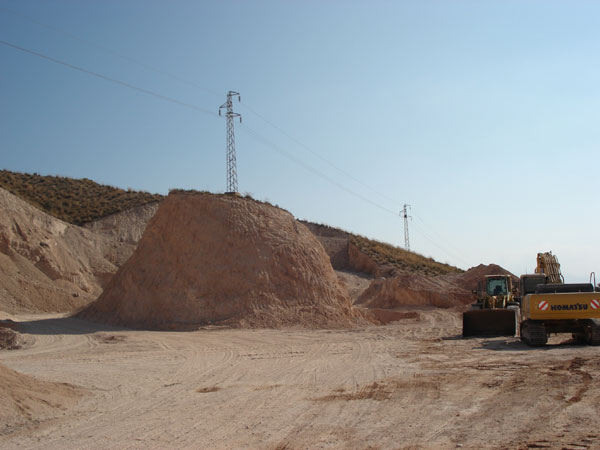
(47, 265)
(443, 291)
(27, 400)
(469, 279)
(208, 259)
(414, 290)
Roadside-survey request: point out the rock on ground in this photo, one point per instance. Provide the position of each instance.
(218, 259)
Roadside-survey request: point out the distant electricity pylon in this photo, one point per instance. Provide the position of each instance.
(232, 183)
(404, 213)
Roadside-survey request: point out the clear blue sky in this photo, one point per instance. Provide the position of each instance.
(483, 115)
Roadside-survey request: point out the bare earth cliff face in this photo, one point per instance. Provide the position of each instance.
(207, 259)
(49, 265)
(126, 226)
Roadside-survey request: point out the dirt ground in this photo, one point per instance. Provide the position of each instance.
(409, 385)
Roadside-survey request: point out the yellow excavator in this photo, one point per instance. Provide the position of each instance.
(549, 305)
(543, 304)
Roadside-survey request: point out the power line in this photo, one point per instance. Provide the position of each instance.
(433, 242)
(208, 112)
(196, 85)
(322, 158)
(320, 174)
(108, 50)
(439, 237)
(169, 99)
(107, 78)
(191, 83)
(308, 167)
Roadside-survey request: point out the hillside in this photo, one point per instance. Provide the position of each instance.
(47, 265)
(76, 201)
(350, 251)
(83, 201)
(401, 259)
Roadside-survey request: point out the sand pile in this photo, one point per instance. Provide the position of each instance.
(27, 400)
(50, 265)
(207, 259)
(410, 289)
(442, 291)
(469, 279)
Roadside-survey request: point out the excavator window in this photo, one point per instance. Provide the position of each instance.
(497, 287)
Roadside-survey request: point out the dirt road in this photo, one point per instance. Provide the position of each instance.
(414, 384)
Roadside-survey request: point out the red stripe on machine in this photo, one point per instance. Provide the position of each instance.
(543, 305)
(595, 304)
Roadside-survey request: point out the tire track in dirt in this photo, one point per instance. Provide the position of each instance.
(405, 384)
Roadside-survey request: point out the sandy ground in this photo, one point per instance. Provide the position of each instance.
(414, 384)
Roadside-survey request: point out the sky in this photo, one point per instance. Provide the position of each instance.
(481, 115)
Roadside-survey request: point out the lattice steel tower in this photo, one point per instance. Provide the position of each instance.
(232, 183)
(404, 213)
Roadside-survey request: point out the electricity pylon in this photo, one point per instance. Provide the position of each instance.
(232, 182)
(404, 213)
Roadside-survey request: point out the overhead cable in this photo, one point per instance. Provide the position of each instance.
(108, 50)
(257, 136)
(112, 80)
(196, 85)
(454, 249)
(310, 168)
(321, 157)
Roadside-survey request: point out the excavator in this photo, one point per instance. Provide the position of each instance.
(543, 304)
(549, 305)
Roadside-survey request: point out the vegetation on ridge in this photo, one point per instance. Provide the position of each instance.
(76, 201)
(385, 255)
(399, 258)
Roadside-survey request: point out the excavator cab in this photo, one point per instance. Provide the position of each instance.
(497, 286)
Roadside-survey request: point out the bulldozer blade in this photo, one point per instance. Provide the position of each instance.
(490, 322)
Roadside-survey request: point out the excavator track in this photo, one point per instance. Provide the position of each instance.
(595, 337)
(592, 333)
(533, 333)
